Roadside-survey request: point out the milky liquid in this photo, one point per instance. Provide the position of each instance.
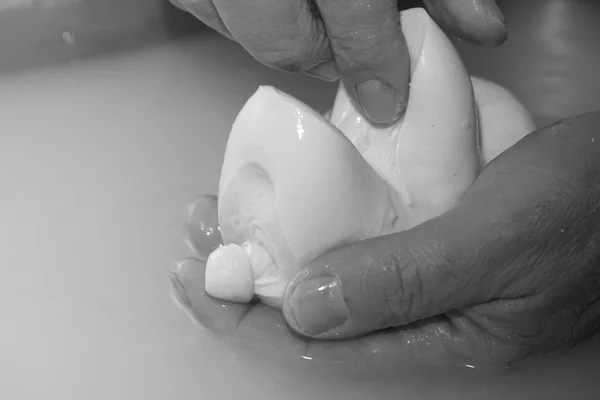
(97, 162)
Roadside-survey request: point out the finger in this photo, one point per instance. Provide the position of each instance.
(262, 331)
(253, 328)
(489, 246)
(477, 21)
(282, 34)
(440, 342)
(380, 283)
(435, 342)
(206, 12)
(259, 330)
(370, 53)
(187, 278)
(202, 232)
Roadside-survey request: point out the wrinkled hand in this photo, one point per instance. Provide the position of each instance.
(360, 41)
(513, 271)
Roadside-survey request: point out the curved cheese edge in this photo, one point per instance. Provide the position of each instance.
(287, 171)
(431, 156)
(503, 119)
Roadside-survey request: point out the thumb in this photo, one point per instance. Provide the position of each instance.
(382, 282)
(492, 245)
(471, 254)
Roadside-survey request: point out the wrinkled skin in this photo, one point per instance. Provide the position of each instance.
(510, 273)
(357, 41)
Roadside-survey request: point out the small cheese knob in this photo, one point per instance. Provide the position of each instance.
(229, 275)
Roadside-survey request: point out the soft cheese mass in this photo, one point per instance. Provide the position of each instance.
(295, 184)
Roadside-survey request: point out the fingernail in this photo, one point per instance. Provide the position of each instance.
(494, 12)
(202, 233)
(327, 72)
(378, 101)
(318, 305)
(177, 286)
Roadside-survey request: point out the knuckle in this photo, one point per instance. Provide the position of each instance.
(396, 286)
(495, 353)
(489, 344)
(363, 51)
(501, 348)
(410, 264)
(366, 35)
(407, 281)
(577, 320)
(298, 50)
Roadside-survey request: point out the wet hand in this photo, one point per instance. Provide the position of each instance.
(359, 41)
(513, 271)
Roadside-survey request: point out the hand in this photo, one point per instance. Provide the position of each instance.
(360, 41)
(512, 272)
